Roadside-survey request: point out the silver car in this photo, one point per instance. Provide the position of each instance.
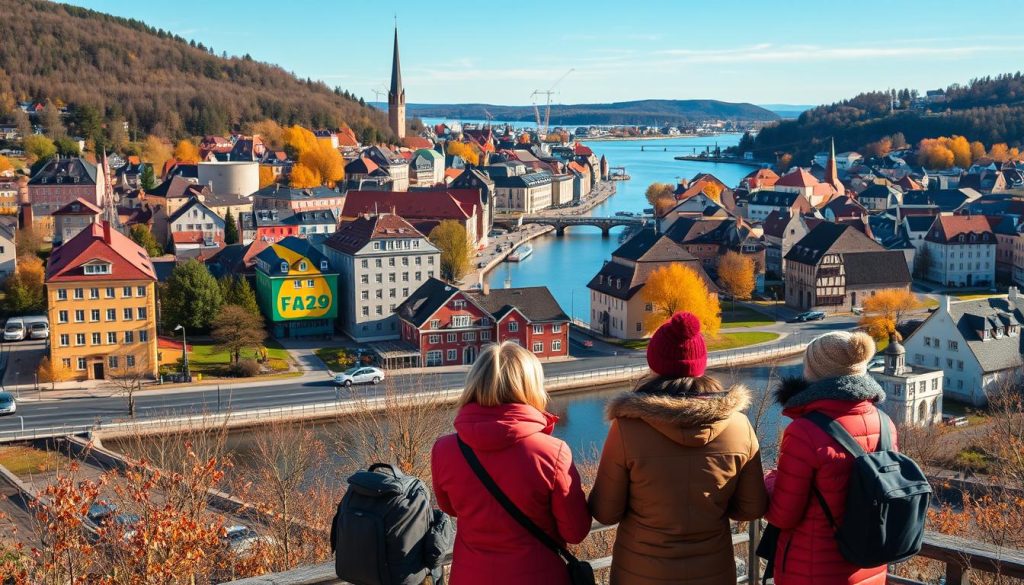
(359, 375)
(7, 404)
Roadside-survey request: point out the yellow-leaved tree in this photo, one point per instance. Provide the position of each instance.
(156, 152)
(297, 140)
(5, 164)
(737, 275)
(658, 192)
(713, 191)
(186, 152)
(884, 311)
(678, 287)
(451, 239)
(324, 162)
(464, 150)
(303, 177)
(977, 150)
(266, 176)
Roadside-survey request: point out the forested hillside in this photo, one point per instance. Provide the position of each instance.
(158, 82)
(989, 109)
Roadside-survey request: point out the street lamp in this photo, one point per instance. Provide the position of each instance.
(184, 353)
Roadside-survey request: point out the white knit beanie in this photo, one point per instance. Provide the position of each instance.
(839, 353)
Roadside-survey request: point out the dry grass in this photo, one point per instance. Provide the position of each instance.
(25, 459)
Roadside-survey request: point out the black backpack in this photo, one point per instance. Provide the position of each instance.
(385, 531)
(886, 500)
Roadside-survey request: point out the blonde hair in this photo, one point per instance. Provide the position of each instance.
(505, 373)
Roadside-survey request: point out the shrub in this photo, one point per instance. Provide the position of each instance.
(277, 364)
(245, 368)
(973, 459)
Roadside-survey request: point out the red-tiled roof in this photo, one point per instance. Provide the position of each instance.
(797, 178)
(582, 150)
(99, 242)
(356, 234)
(410, 205)
(194, 237)
(761, 178)
(416, 142)
(947, 227)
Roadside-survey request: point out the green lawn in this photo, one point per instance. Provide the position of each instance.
(741, 316)
(973, 295)
(974, 414)
(205, 359)
(336, 358)
(24, 459)
(723, 341)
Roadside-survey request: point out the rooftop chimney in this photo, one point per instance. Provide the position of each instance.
(106, 232)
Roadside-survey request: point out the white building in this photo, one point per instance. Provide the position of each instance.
(961, 251)
(976, 344)
(913, 394)
(238, 178)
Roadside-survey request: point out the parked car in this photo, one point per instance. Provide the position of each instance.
(14, 330)
(810, 316)
(39, 330)
(100, 511)
(481, 265)
(359, 375)
(954, 421)
(241, 539)
(8, 405)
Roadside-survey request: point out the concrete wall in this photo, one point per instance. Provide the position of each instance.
(239, 178)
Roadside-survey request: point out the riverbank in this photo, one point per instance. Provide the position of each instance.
(723, 160)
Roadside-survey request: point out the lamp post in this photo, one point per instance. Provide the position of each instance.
(184, 353)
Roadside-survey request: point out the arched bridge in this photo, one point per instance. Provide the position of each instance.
(560, 223)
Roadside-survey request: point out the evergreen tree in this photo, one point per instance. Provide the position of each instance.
(148, 178)
(230, 229)
(192, 297)
(141, 235)
(237, 291)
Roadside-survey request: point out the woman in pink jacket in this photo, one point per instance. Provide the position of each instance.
(502, 418)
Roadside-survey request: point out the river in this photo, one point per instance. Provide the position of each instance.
(566, 264)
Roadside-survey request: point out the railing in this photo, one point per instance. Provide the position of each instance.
(256, 416)
(959, 555)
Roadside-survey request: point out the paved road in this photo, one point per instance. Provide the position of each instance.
(48, 413)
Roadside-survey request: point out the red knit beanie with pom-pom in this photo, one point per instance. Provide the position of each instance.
(677, 348)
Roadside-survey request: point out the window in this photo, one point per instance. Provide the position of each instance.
(129, 361)
(639, 327)
(379, 294)
(366, 311)
(461, 321)
(419, 276)
(142, 312)
(143, 336)
(451, 337)
(435, 338)
(364, 264)
(556, 345)
(435, 323)
(379, 278)
(556, 328)
(935, 383)
(452, 355)
(378, 263)
(434, 358)
(129, 314)
(405, 277)
(648, 307)
(97, 268)
(112, 337)
(81, 363)
(112, 360)
(96, 339)
(960, 384)
(364, 295)
(110, 292)
(65, 340)
(62, 316)
(79, 316)
(66, 362)
(111, 314)
(79, 294)
(62, 294)
(310, 283)
(303, 266)
(140, 291)
(953, 346)
(365, 279)
(379, 309)
(391, 293)
(538, 329)
(391, 277)
(513, 326)
(927, 341)
(94, 293)
(79, 338)
(538, 348)
(297, 283)
(129, 337)
(126, 292)
(485, 336)
(960, 365)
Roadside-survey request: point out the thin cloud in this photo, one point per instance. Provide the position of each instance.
(792, 53)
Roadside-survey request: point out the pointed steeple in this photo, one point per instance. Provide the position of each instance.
(396, 95)
(396, 71)
(832, 172)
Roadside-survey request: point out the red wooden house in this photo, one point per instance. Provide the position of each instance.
(449, 326)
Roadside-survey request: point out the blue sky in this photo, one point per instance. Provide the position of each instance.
(792, 52)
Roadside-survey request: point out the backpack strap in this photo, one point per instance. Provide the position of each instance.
(518, 515)
(884, 433)
(835, 430)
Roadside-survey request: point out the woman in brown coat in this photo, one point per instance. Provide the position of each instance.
(680, 461)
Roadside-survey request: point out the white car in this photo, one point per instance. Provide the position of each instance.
(7, 403)
(14, 330)
(39, 330)
(242, 539)
(359, 375)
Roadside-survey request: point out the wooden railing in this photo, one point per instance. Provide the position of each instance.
(960, 557)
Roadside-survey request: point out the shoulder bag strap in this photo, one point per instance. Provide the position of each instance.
(846, 441)
(521, 518)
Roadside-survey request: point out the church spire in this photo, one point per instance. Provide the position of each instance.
(396, 95)
(832, 172)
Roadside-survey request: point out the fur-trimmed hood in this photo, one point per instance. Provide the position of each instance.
(796, 392)
(690, 420)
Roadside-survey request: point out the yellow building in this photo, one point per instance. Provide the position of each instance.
(101, 294)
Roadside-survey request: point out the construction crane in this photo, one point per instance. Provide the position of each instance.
(542, 129)
(489, 117)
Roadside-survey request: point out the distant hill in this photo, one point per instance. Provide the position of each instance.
(989, 109)
(643, 112)
(157, 81)
(786, 111)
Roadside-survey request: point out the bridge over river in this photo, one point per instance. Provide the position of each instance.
(561, 222)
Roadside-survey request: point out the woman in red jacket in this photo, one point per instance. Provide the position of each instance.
(502, 418)
(835, 383)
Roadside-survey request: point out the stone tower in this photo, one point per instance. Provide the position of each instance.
(396, 96)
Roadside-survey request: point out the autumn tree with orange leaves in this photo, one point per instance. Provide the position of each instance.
(660, 194)
(886, 310)
(186, 152)
(737, 274)
(678, 287)
(464, 150)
